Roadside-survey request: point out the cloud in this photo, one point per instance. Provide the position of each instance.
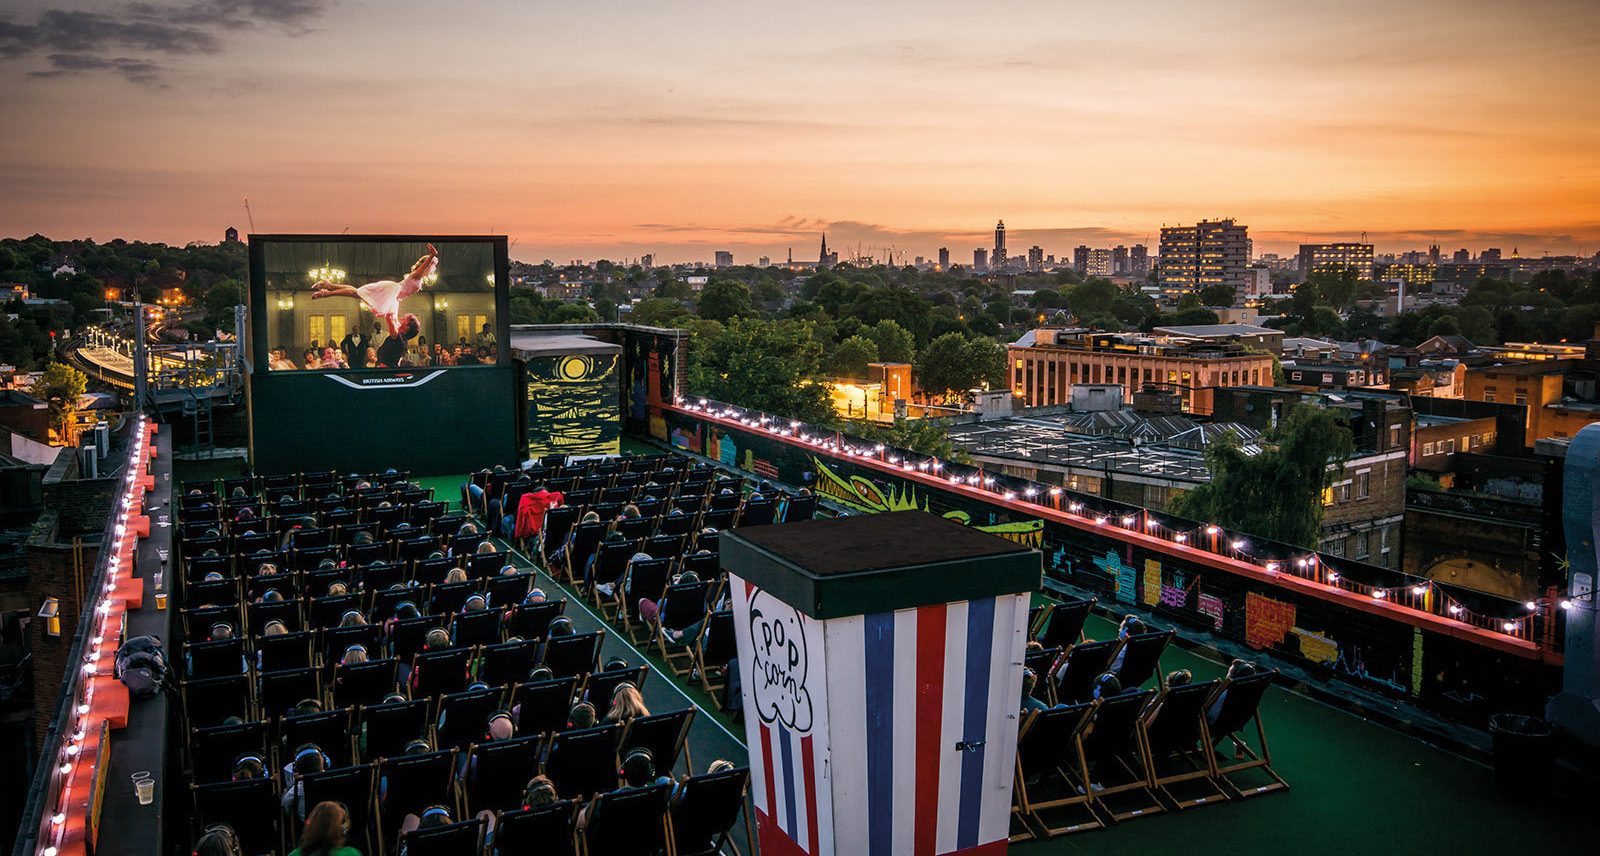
(79, 42)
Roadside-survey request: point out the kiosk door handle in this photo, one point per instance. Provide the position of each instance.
(969, 745)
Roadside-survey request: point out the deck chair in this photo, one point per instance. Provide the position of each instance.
(281, 691)
(547, 830)
(197, 622)
(213, 749)
(337, 640)
(463, 716)
(585, 538)
(646, 578)
(478, 627)
(666, 735)
(390, 726)
(584, 762)
(287, 651)
(224, 591)
(610, 561)
(508, 589)
(439, 672)
(356, 787)
(1173, 731)
(574, 655)
(602, 685)
(448, 597)
(757, 512)
(714, 649)
(681, 607)
(286, 611)
(637, 528)
(380, 577)
(209, 701)
(324, 612)
(452, 839)
(1141, 658)
(1040, 662)
(1109, 747)
(629, 822)
(332, 730)
(558, 523)
(707, 566)
(222, 658)
(432, 571)
(668, 547)
(405, 635)
(362, 684)
(1047, 773)
(250, 806)
(498, 771)
(411, 783)
(1235, 705)
(1063, 623)
(799, 508)
(705, 810)
(532, 620)
(506, 662)
(542, 706)
(361, 555)
(678, 524)
(1073, 679)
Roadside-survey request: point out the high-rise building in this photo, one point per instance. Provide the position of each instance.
(944, 258)
(1036, 258)
(648, 260)
(1101, 263)
(1139, 261)
(1315, 258)
(763, 262)
(1433, 254)
(1462, 256)
(1490, 256)
(1211, 252)
(1119, 260)
(724, 259)
(1080, 259)
(998, 257)
(980, 260)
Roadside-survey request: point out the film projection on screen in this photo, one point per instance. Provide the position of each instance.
(335, 305)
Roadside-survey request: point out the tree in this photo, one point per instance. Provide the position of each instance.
(606, 308)
(723, 299)
(658, 312)
(895, 343)
(60, 387)
(1094, 297)
(573, 313)
(772, 366)
(952, 364)
(1217, 294)
(927, 436)
(1276, 493)
(219, 301)
(851, 356)
(767, 291)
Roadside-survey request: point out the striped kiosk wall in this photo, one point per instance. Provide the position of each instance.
(881, 718)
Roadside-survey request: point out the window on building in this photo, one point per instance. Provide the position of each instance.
(1360, 543)
(1427, 449)
(1336, 547)
(1156, 496)
(1327, 496)
(1363, 484)
(1488, 396)
(336, 328)
(1327, 378)
(1521, 398)
(1343, 491)
(317, 330)
(1383, 540)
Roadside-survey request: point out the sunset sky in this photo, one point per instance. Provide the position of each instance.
(611, 128)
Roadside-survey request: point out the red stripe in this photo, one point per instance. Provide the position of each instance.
(766, 763)
(930, 721)
(811, 791)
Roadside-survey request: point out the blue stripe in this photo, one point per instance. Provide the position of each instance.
(879, 659)
(789, 801)
(975, 718)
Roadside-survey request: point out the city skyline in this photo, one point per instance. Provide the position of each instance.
(582, 140)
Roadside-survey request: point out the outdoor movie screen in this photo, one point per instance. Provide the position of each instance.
(379, 304)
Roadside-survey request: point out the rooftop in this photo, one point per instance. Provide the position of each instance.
(1045, 443)
(1219, 331)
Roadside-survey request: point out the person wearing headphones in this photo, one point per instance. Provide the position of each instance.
(419, 746)
(326, 828)
(540, 791)
(638, 771)
(438, 815)
(500, 726)
(219, 839)
(249, 766)
(308, 759)
(1236, 669)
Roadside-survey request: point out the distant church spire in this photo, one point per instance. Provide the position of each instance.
(822, 261)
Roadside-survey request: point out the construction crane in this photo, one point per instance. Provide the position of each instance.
(248, 215)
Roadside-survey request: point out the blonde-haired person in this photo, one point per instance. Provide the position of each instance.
(627, 704)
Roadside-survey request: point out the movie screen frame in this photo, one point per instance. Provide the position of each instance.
(470, 270)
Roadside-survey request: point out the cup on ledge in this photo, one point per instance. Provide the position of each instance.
(144, 786)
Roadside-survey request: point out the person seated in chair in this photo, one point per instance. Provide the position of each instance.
(638, 771)
(308, 759)
(649, 610)
(627, 704)
(436, 816)
(1109, 686)
(1131, 625)
(325, 831)
(581, 716)
(1236, 669)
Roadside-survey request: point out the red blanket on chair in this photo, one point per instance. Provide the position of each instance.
(531, 509)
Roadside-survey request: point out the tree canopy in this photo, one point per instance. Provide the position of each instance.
(771, 366)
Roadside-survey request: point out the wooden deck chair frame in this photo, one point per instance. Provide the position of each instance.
(1027, 805)
(452, 792)
(724, 839)
(596, 809)
(1139, 780)
(1253, 759)
(698, 647)
(1201, 760)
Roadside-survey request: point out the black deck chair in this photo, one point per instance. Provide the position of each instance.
(482, 566)
(219, 659)
(689, 503)
(580, 497)
(212, 750)
(706, 809)
(223, 591)
(583, 763)
(452, 839)
(679, 524)
(542, 706)
(448, 597)
(308, 558)
(602, 685)
(389, 727)
(196, 566)
(209, 701)
(1073, 679)
(309, 538)
(725, 501)
(347, 532)
(664, 546)
(1173, 730)
(286, 611)
(431, 572)
(281, 691)
(365, 683)
(439, 672)
(405, 635)
(286, 651)
(416, 548)
(544, 829)
(1113, 758)
(714, 649)
(757, 512)
(682, 606)
(446, 525)
(412, 783)
(332, 730)
(506, 662)
(380, 576)
(497, 773)
(610, 560)
(532, 620)
(799, 508)
(1063, 623)
(1048, 772)
(707, 566)
(478, 627)
(326, 611)
(558, 522)
(607, 512)
(361, 555)
(334, 641)
(628, 822)
(646, 578)
(356, 787)
(315, 582)
(717, 518)
(1040, 662)
(250, 806)
(465, 545)
(1141, 658)
(424, 513)
(637, 528)
(666, 735)
(256, 588)
(197, 622)
(505, 590)
(1236, 705)
(585, 538)
(574, 655)
(464, 716)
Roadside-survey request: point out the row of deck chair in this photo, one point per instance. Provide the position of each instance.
(1090, 764)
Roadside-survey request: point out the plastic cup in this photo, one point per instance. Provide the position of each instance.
(161, 600)
(144, 786)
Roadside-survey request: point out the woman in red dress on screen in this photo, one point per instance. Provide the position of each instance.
(383, 297)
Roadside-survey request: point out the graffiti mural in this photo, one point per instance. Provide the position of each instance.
(572, 405)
